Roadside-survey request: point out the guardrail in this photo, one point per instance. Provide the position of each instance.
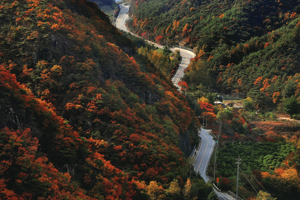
(193, 151)
(234, 195)
(216, 187)
(182, 47)
(192, 156)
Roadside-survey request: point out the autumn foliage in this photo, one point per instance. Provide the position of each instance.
(79, 118)
(240, 54)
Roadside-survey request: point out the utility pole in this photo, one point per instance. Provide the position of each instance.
(215, 162)
(217, 150)
(237, 178)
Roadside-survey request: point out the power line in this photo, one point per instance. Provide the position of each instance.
(262, 187)
(216, 150)
(237, 177)
(255, 181)
(248, 181)
(250, 177)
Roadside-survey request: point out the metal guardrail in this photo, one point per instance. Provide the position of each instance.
(182, 47)
(234, 195)
(192, 156)
(193, 151)
(216, 187)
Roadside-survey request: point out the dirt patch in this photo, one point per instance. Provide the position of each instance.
(288, 128)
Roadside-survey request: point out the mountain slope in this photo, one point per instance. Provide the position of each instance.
(91, 121)
(237, 43)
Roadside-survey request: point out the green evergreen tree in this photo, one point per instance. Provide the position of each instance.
(248, 103)
(291, 106)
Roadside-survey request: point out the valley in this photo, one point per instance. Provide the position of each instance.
(165, 104)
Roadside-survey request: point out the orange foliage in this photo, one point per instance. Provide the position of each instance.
(239, 81)
(183, 85)
(20, 151)
(91, 107)
(211, 117)
(258, 80)
(275, 97)
(266, 44)
(206, 106)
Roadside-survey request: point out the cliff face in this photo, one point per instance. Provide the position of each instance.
(79, 118)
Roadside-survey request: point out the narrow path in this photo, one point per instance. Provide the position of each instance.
(287, 118)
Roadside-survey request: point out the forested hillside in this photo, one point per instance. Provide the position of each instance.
(82, 116)
(245, 47)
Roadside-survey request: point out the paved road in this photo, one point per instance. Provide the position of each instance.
(204, 154)
(206, 149)
(122, 18)
(186, 57)
(185, 54)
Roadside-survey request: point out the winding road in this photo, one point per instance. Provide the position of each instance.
(122, 17)
(204, 154)
(202, 160)
(185, 54)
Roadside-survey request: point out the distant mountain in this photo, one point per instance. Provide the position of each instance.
(80, 118)
(245, 47)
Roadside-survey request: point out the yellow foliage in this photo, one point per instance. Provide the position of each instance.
(187, 189)
(264, 196)
(201, 53)
(218, 107)
(290, 174)
(57, 69)
(174, 188)
(249, 99)
(202, 99)
(155, 191)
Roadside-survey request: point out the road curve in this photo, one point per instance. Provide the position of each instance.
(185, 54)
(122, 18)
(204, 154)
(206, 149)
(186, 59)
(202, 160)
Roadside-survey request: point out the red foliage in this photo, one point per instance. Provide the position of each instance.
(158, 39)
(266, 45)
(93, 109)
(236, 135)
(225, 181)
(20, 167)
(184, 86)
